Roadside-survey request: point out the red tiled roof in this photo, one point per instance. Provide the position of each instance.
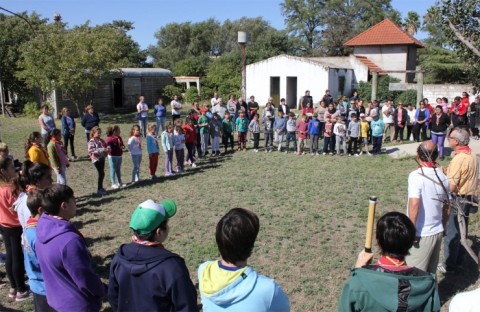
(384, 33)
(372, 67)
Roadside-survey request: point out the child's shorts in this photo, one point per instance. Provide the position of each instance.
(365, 141)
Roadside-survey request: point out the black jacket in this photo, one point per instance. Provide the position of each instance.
(150, 278)
(90, 121)
(404, 116)
(443, 123)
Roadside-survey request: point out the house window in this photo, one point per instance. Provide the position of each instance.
(341, 84)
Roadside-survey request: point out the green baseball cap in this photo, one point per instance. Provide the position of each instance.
(149, 215)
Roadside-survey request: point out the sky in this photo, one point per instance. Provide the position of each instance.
(149, 16)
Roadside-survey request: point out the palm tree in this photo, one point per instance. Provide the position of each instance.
(412, 23)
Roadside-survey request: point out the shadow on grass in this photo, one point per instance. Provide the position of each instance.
(5, 309)
(453, 283)
(204, 165)
(94, 201)
(80, 224)
(122, 119)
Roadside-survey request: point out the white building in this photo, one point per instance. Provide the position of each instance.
(381, 48)
(289, 77)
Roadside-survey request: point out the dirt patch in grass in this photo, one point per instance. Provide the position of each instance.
(312, 210)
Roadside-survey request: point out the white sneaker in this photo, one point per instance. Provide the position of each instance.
(361, 153)
(324, 153)
(194, 165)
(115, 186)
(317, 154)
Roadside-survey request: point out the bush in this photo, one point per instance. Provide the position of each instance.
(408, 97)
(191, 95)
(32, 109)
(171, 90)
(365, 89)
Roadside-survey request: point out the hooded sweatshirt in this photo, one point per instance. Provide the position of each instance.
(223, 289)
(70, 282)
(371, 290)
(150, 278)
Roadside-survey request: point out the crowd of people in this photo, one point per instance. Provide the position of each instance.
(40, 240)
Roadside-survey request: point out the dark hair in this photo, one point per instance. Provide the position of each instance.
(457, 98)
(439, 106)
(32, 173)
(282, 100)
(395, 234)
(109, 131)
(31, 139)
(236, 234)
(445, 100)
(55, 132)
(150, 236)
(4, 163)
(132, 130)
(427, 155)
(44, 106)
(53, 197)
(34, 202)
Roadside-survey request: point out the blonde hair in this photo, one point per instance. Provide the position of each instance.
(94, 130)
(151, 127)
(65, 109)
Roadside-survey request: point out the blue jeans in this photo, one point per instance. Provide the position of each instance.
(377, 144)
(136, 159)
(291, 136)
(143, 125)
(115, 163)
(160, 123)
(453, 249)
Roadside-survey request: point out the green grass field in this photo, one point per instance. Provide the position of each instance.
(312, 209)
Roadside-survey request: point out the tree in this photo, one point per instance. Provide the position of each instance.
(461, 27)
(326, 25)
(75, 59)
(441, 65)
(343, 19)
(433, 24)
(412, 23)
(304, 18)
(14, 31)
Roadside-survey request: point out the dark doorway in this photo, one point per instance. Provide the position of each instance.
(117, 92)
(275, 90)
(292, 92)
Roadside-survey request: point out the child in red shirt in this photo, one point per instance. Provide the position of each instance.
(302, 129)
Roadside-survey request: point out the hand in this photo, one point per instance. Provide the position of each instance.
(363, 258)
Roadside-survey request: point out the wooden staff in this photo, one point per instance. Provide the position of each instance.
(371, 220)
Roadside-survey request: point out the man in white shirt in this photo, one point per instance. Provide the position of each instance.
(176, 108)
(428, 197)
(220, 109)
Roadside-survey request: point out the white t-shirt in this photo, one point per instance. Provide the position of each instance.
(214, 101)
(431, 195)
(20, 206)
(468, 301)
(387, 119)
(176, 106)
(411, 115)
(143, 106)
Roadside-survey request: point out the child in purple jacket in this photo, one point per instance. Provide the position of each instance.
(70, 282)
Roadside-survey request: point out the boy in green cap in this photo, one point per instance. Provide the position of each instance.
(144, 276)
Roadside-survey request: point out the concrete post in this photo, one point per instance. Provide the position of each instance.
(374, 85)
(243, 54)
(419, 87)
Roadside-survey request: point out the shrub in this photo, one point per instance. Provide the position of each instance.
(407, 97)
(171, 90)
(31, 109)
(365, 89)
(191, 95)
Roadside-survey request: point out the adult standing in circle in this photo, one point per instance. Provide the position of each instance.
(440, 123)
(176, 108)
(142, 110)
(462, 173)
(160, 112)
(421, 122)
(47, 124)
(89, 120)
(459, 112)
(68, 131)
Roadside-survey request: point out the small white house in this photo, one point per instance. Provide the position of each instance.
(288, 77)
(384, 48)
